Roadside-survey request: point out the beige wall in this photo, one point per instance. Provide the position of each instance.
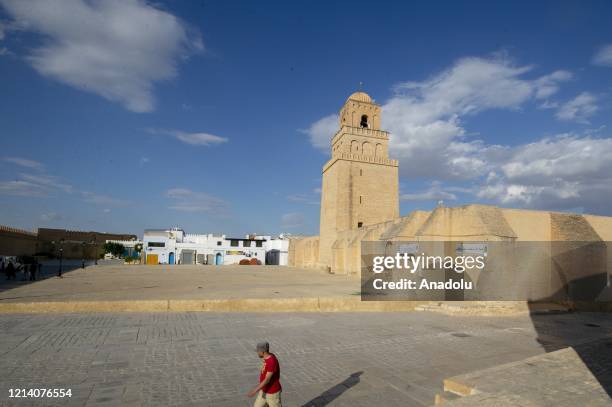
(73, 247)
(602, 226)
(469, 222)
(479, 223)
(304, 252)
(16, 242)
(533, 226)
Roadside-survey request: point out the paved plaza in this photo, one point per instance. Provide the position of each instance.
(208, 359)
(185, 282)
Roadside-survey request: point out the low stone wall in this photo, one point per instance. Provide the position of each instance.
(17, 242)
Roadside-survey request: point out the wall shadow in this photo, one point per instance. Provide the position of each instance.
(586, 326)
(48, 270)
(334, 392)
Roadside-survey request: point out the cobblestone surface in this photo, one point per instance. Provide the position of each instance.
(207, 359)
(186, 282)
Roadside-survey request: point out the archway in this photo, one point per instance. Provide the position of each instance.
(171, 258)
(364, 121)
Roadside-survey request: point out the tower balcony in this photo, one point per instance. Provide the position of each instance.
(359, 158)
(360, 131)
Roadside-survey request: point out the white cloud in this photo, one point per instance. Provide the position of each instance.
(321, 132)
(22, 188)
(549, 104)
(566, 156)
(566, 171)
(434, 193)
(603, 57)
(195, 139)
(117, 49)
(186, 200)
(50, 217)
(473, 85)
(34, 185)
(425, 118)
(579, 108)
(103, 200)
(200, 139)
(292, 220)
(47, 181)
(303, 198)
(24, 162)
(548, 85)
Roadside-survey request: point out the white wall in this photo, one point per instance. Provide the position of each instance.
(176, 241)
(282, 245)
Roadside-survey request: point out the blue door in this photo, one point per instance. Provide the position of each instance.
(171, 258)
(218, 259)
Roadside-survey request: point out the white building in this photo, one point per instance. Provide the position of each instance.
(277, 251)
(129, 245)
(174, 246)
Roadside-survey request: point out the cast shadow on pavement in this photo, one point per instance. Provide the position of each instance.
(593, 342)
(331, 394)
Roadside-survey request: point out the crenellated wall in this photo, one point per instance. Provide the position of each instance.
(17, 242)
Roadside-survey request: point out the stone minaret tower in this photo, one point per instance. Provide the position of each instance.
(360, 182)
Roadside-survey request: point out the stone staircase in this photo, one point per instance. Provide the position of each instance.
(567, 377)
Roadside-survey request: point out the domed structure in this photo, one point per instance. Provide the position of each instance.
(360, 110)
(361, 97)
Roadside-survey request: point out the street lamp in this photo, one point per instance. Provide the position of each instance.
(59, 274)
(83, 254)
(93, 244)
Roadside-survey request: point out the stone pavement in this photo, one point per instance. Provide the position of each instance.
(185, 282)
(583, 376)
(207, 359)
(114, 288)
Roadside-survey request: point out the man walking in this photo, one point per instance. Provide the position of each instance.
(269, 389)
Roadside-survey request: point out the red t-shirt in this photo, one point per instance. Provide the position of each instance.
(271, 365)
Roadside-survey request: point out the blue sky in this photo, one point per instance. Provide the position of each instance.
(216, 116)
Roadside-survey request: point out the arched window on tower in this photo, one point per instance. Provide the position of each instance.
(379, 151)
(364, 121)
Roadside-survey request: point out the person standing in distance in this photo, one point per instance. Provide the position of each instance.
(269, 389)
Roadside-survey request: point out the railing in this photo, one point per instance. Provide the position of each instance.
(360, 158)
(360, 131)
